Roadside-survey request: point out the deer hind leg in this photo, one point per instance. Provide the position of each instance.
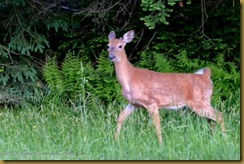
(122, 117)
(154, 113)
(206, 110)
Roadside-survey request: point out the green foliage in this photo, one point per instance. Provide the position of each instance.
(20, 43)
(155, 61)
(226, 78)
(106, 85)
(53, 75)
(22, 73)
(157, 12)
(58, 131)
(56, 24)
(24, 35)
(76, 77)
(67, 81)
(57, 27)
(79, 77)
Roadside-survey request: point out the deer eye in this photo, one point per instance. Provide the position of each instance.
(120, 46)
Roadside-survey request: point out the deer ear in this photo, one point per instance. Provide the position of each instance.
(111, 35)
(128, 37)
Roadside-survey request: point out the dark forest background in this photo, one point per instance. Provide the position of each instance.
(59, 48)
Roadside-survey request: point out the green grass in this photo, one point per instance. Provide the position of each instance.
(54, 130)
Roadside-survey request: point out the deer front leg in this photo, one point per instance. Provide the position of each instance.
(154, 113)
(122, 117)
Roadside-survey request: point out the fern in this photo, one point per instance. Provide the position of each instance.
(104, 65)
(185, 64)
(156, 61)
(147, 60)
(225, 82)
(75, 79)
(162, 63)
(106, 84)
(53, 76)
(72, 73)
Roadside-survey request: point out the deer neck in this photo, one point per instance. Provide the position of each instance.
(124, 71)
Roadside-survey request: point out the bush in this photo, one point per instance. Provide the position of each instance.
(76, 77)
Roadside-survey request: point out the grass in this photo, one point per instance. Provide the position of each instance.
(56, 131)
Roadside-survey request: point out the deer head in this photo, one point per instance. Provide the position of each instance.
(116, 46)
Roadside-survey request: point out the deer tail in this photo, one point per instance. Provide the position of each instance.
(204, 71)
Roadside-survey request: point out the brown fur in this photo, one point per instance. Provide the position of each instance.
(154, 90)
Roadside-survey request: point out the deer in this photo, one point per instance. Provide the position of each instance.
(155, 90)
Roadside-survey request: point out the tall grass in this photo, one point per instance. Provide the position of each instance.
(85, 131)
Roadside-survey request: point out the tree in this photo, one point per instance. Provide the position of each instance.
(33, 30)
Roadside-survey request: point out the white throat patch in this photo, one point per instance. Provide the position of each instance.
(117, 59)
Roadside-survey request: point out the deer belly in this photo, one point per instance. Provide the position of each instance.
(178, 107)
(162, 100)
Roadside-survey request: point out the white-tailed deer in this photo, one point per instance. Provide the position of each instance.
(154, 90)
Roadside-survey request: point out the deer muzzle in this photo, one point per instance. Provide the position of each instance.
(112, 57)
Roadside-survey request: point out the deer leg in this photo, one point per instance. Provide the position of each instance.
(154, 113)
(208, 112)
(122, 117)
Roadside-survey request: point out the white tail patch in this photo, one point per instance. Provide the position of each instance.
(200, 71)
(154, 90)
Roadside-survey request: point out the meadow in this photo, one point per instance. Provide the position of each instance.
(56, 130)
(59, 95)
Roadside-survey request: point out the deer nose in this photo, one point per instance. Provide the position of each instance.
(111, 57)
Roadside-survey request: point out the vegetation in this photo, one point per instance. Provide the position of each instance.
(57, 131)
(58, 89)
